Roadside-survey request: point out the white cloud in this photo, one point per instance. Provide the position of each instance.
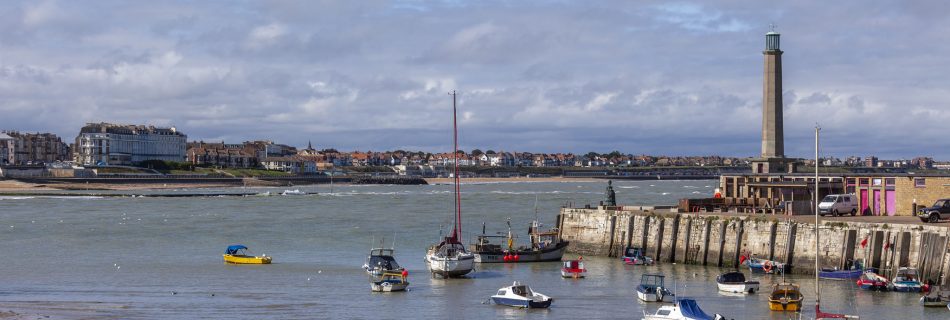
(265, 35)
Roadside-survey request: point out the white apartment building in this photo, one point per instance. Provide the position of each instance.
(113, 144)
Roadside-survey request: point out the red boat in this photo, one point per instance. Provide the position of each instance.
(574, 269)
(872, 281)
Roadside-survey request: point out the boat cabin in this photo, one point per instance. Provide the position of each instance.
(651, 281)
(382, 258)
(634, 252)
(906, 274)
(574, 265)
(236, 250)
(517, 289)
(786, 291)
(731, 277)
(450, 249)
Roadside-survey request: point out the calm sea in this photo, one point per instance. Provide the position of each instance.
(161, 257)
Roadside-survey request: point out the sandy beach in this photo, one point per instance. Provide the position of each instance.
(18, 186)
(511, 180)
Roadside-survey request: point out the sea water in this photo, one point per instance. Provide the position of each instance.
(106, 257)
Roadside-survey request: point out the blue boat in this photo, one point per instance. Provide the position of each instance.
(906, 280)
(850, 274)
(757, 265)
(636, 256)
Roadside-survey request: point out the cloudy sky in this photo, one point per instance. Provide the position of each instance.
(664, 77)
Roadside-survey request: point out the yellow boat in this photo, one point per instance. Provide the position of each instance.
(237, 254)
(785, 297)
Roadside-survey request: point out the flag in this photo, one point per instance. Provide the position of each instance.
(742, 259)
(887, 245)
(864, 243)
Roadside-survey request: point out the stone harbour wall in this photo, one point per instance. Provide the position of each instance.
(719, 240)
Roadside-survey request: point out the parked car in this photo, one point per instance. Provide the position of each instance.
(838, 204)
(940, 210)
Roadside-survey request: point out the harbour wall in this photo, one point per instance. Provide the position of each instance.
(719, 240)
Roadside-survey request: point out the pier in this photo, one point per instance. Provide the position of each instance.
(720, 239)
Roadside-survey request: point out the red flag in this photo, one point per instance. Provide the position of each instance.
(864, 243)
(887, 245)
(742, 259)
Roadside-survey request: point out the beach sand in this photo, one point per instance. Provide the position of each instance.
(511, 180)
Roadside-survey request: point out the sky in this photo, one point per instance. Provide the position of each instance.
(640, 77)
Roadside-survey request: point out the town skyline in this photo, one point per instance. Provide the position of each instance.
(652, 78)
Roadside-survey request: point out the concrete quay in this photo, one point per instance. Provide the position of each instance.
(720, 239)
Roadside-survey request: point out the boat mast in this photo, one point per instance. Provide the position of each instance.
(455, 153)
(817, 233)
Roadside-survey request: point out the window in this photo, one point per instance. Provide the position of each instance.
(864, 181)
(663, 312)
(876, 181)
(920, 182)
(889, 181)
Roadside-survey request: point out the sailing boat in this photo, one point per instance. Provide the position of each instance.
(818, 313)
(449, 258)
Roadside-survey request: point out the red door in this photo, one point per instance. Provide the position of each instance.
(864, 201)
(877, 202)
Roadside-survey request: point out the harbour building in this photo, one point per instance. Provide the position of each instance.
(774, 186)
(118, 144)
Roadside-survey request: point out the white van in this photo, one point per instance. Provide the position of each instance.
(838, 204)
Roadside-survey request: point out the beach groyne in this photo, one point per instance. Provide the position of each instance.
(720, 240)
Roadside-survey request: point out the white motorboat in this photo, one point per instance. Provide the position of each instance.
(683, 309)
(519, 295)
(381, 260)
(735, 282)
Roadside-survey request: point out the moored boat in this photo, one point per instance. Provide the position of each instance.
(449, 258)
(573, 269)
(833, 274)
(520, 295)
(935, 298)
(906, 280)
(390, 281)
(653, 289)
(237, 254)
(785, 297)
(545, 246)
(683, 309)
(636, 256)
(872, 281)
(757, 265)
(735, 282)
(381, 260)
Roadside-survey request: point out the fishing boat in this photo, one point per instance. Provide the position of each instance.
(381, 260)
(872, 281)
(735, 282)
(546, 245)
(520, 295)
(449, 258)
(636, 256)
(785, 296)
(935, 298)
(237, 254)
(574, 269)
(906, 280)
(818, 313)
(683, 309)
(653, 289)
(390, 281)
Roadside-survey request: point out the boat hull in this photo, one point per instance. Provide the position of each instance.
(782, 305)
(840, 274)
(388, 286)
(234, 259)
(573, 274)
(653, 297)
(545, 255)
(451, 267)
(521, 303)
(745, 287)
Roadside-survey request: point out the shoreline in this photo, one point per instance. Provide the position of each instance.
(510, 180)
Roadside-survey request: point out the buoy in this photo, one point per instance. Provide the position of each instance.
(517, 257)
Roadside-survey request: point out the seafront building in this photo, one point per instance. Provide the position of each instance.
(7, 150)
(117, 144)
